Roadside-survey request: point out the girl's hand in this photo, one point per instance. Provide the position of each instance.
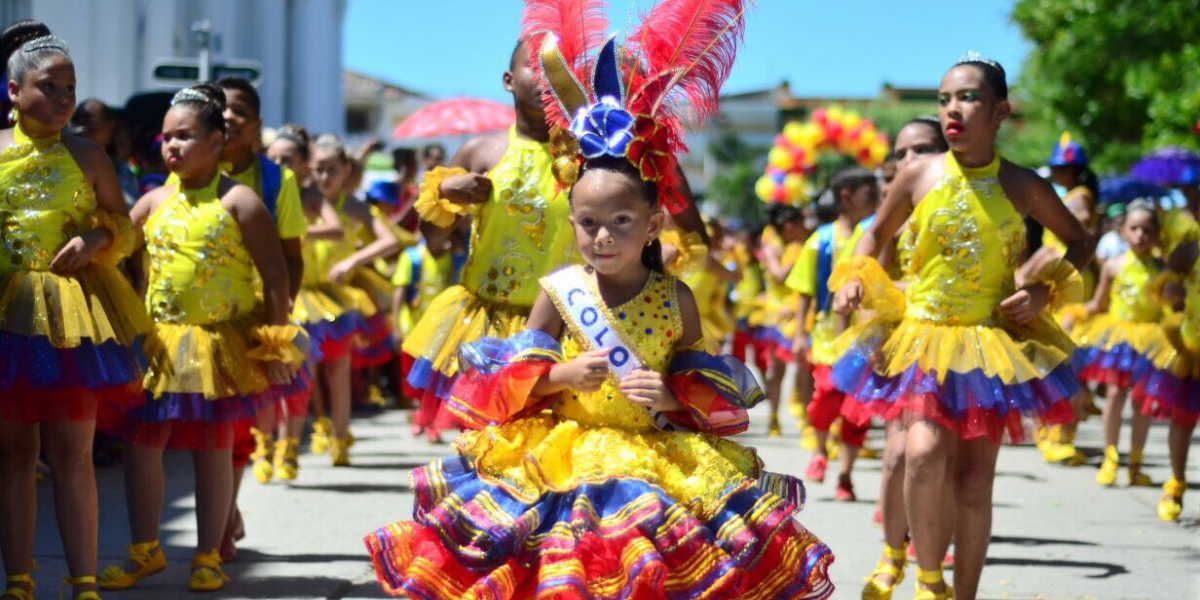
(341, 271)
(848, 297)
(279, 373)
(79, 251)
(800, 347)
(1026, 304)
(648, 388)
(466, 188)
(585, 372)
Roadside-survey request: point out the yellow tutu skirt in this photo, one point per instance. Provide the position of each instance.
(456, 317)
(1111, 344)
(69, 345)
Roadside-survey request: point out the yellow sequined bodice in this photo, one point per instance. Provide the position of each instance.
(47, 200)
(1189, 328)
(651, 323)
(521, 233)
(321, 255)
(200, 271)
(967, 241)
(1129, 300)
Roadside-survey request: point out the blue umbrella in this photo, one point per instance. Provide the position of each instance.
(1168, 166)
(1120, 189)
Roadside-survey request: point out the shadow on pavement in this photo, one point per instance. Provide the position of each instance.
(1029, 541)
(1107, 569)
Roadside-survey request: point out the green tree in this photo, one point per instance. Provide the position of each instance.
(1123, 77)
(731, 190)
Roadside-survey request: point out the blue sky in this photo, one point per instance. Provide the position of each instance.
(823, 47)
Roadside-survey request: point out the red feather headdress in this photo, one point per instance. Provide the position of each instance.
(625, 101)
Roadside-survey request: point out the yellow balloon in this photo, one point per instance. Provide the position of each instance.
(764, 188)
(878, 152)
(792, 131)
(851, 120)
(793, 186)
(834, 114)
(811, 137)
(866, 137)
(779, 158)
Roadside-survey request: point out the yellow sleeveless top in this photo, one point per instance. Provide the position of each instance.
(1189, 327)
(778, 293)
(47, 201)
(321, 255)
(958, 273)
(1129, 300)
(652, 323)
(200, 271)
(521, 232)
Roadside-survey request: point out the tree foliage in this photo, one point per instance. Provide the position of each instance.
(1124, 77)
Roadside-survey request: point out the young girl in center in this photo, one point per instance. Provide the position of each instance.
(596, 470)
(673, 512)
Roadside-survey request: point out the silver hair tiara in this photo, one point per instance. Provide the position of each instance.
(46, 42)
(190, 95)
(971, 56)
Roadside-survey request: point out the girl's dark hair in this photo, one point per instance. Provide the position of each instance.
(247, 90)
(993, 74)
(652, 253)
(208, 101)
(850, 179)
(782, 213)
(17, 34)
(295, 134)
(931, 122)
(16, 62)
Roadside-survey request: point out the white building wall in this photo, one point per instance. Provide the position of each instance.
(115, 44)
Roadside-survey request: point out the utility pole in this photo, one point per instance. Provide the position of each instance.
(202, 34)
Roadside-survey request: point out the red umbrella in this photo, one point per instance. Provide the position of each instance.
(456, 116)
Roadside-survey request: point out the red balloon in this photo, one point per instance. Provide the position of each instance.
(818, 116)
(780, 194)
(781, 141)
(833, 131)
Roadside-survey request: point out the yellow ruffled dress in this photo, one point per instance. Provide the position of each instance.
(945, 352)
(210, 337)
(519, 235)
(69, 343)
(589, 498)
(1127, 344)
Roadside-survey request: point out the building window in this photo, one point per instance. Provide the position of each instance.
(358, 119)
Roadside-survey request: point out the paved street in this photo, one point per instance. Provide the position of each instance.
(1057, 535)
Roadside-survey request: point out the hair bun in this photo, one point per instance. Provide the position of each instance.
(17, 34)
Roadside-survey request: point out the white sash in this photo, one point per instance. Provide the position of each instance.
(578, 304)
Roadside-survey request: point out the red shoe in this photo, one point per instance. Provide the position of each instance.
(947, 561)
(816, 469)
(228, 549)
(878, 518)
(845, 490)
(433, 435)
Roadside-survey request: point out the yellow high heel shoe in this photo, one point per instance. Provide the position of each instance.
(339, 452)
(207, 575)
(1107, 475)
(150, 559)
(321, 434)
(19, 592)
(1171, 503)
(261, 457)
(932, 579)
(82, 580)
(1136, 477)
(774, 430)
(888, 567)
(287, 458)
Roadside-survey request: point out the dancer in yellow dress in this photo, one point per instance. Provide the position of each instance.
(776, 322)
(215, 357)
(69, 321)
(338, 262)
(1126, 343)
(965, 353)
(856, 193)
